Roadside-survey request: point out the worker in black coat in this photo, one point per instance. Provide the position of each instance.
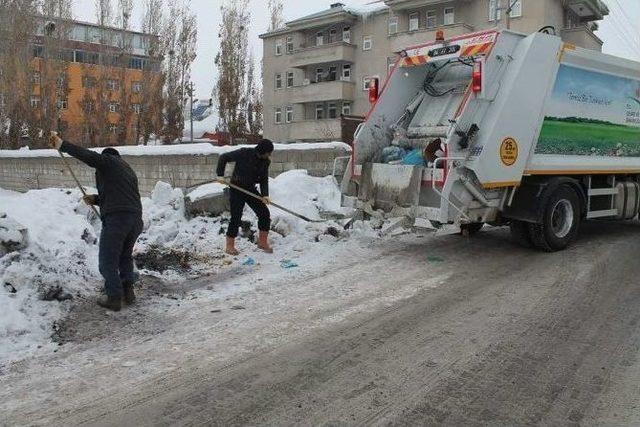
(121, 212)
(251, 169)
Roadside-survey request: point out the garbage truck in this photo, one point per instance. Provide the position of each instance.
(508, 129)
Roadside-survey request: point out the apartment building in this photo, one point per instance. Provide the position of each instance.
(316, 69)
(107, 74)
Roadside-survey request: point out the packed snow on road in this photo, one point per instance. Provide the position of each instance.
(49, 251)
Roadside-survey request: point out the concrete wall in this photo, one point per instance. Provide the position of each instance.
(25, 173)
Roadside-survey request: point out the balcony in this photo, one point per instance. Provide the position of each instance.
(588, 10)
(333, 52)
(582, 37)
(323, 91)
(414, 4)
(405, 39)
(317, 130)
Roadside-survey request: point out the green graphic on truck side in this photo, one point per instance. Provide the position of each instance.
(592, 113)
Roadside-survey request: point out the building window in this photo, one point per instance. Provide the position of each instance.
(137, 108)
(393, 25)
(346, 108)
(113, 128)
(88, 81)
(346, 72)
(38, 51)
(333, 73)
(391, 62)
(114, 107)
(516, 9)
(494, 12)
(278, 47)
(288, 117)
(346, 34)
(332, 111)
(278, 116)
(113, 84)
(449, 16)
(35, 101)
(136, 63)
(278, 81)
(367, 43)
(289, 79)
(431, 19)
(61, 80)
(88, 106)
(136, 87)
(35, 78)
(62, 104)
(333, 35)
(319, 111)
(319, 39)
(367, 80)
(414, 21)
(319, 72)
(289, 44)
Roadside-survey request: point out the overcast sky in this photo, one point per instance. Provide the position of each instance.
(620, 31)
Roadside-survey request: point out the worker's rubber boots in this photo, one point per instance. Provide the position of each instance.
(110, 303)
(230, 248)
(263, 242)
(129, 296)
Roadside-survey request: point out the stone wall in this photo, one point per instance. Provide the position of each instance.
(179, 170)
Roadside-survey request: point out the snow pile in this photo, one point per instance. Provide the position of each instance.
(58, 266)
(58, 263)
(206, 190)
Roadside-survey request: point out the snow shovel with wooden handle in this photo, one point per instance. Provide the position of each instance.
(255, 196)
(75, 178)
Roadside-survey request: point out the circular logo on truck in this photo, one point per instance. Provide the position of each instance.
(509, 151)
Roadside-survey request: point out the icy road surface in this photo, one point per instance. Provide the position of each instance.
(408, 330)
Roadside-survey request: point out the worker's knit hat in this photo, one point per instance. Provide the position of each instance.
(264, 146)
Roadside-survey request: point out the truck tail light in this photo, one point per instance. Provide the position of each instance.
(373, 90)
(476, 77)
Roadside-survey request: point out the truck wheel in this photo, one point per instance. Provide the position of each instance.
(520, 233)
(560, 221)
(471, 229)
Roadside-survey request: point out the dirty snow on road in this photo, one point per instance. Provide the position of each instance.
(55, 269)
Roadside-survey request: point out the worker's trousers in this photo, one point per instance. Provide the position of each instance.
(237, 200)
(119, 233)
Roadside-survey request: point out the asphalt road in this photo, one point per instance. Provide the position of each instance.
(480, 332)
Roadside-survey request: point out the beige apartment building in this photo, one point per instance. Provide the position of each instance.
(316, 69)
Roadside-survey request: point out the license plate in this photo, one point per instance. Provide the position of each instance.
(445, 50)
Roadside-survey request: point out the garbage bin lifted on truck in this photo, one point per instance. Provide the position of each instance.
(513, 129)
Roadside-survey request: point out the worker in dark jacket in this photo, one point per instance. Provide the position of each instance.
(251, 168)
(121, 212)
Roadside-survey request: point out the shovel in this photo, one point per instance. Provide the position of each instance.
(255, 196)
(75, 178)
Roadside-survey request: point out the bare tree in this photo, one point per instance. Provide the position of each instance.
(104, 12)
(150, 119)
(231, 60)
(254, 101)
(275, 14)
(180, 37)
(17, 26)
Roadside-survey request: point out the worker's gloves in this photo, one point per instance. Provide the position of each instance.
(90, 199)
(55, 141)
(266, 200)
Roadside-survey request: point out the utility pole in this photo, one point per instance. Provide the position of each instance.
(191, 111)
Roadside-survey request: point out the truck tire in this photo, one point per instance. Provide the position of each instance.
(560, 220)
(520, 233)
(471, 229)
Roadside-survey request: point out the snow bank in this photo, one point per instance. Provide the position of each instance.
(61, 256)
(179, 149)
(206, 190)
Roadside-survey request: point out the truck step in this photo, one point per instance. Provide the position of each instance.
(602, 214)
(603, 191)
